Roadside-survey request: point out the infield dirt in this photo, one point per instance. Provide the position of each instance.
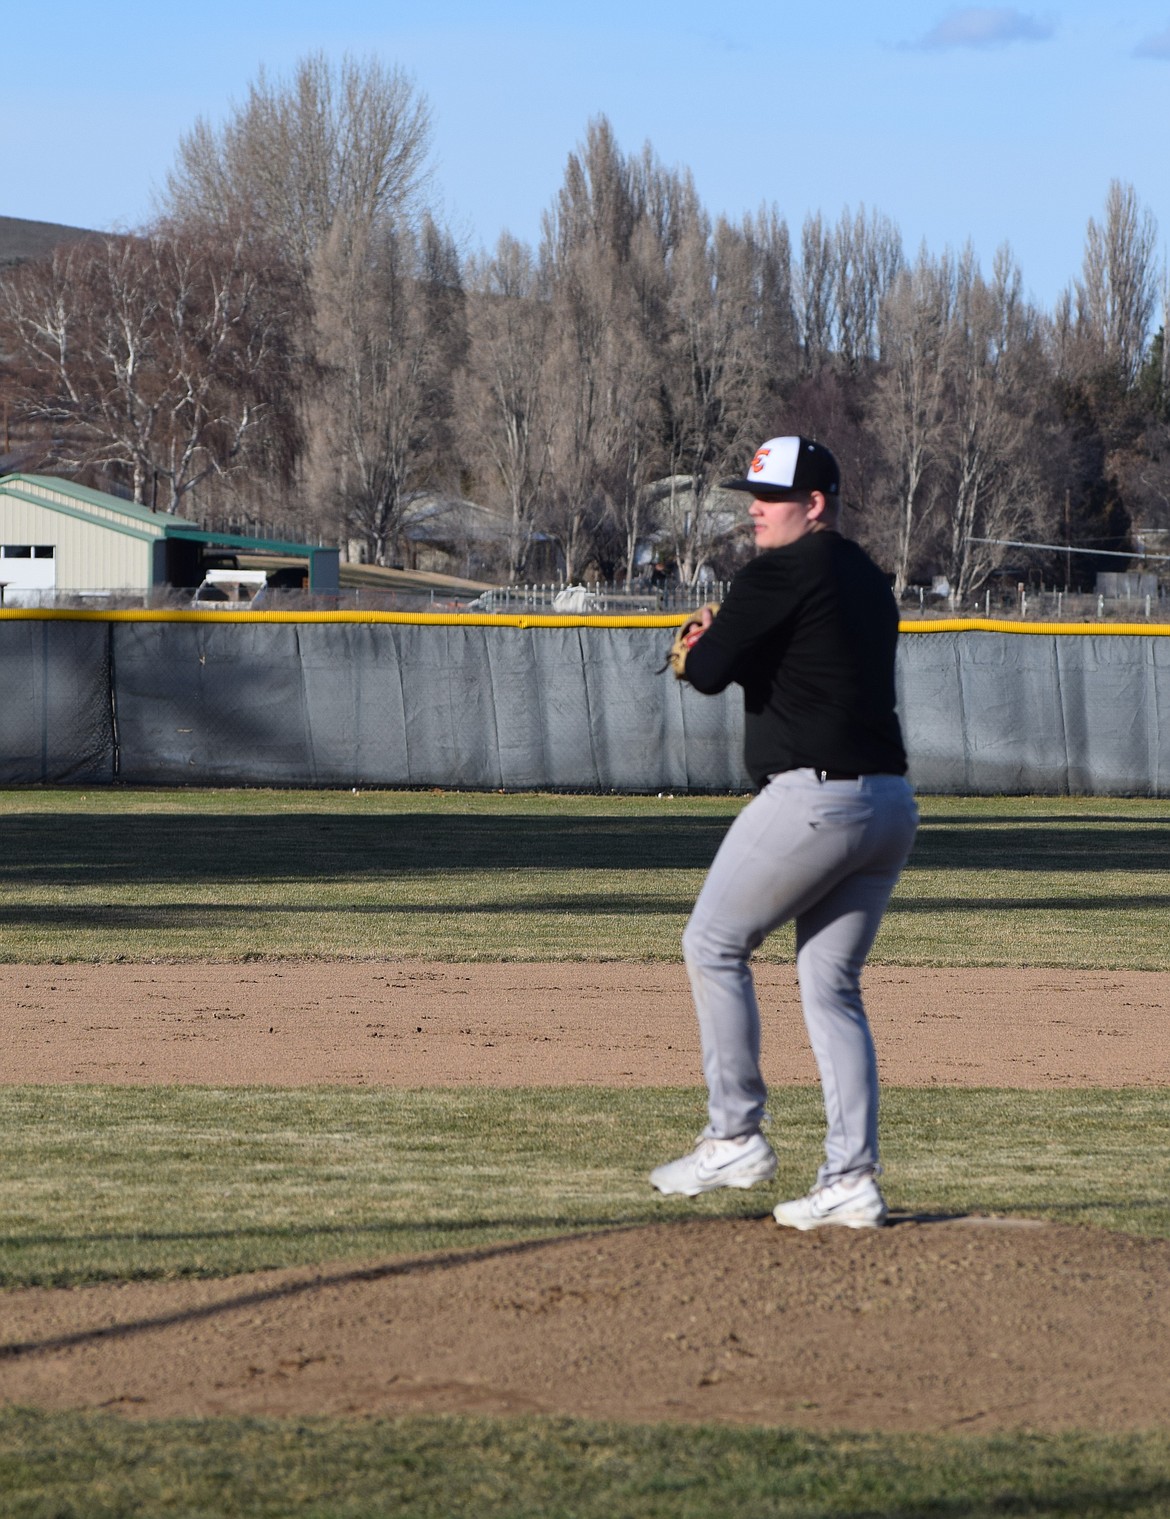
(357, 1023)
(951, 1324)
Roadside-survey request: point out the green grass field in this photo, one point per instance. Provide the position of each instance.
(78, 1466)
(100, 1183)
(118, 875)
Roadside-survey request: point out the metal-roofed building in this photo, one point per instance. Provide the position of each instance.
(56, 536)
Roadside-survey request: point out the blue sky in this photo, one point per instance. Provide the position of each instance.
(994, 123)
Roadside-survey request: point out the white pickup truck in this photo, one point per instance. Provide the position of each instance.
(230, 590)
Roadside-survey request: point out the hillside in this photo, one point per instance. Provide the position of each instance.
(21, 239)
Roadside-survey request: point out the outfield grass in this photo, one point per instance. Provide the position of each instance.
(135, 875)
(112, 1183)
(93, 1466)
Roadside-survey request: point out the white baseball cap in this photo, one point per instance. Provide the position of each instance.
(785, 467)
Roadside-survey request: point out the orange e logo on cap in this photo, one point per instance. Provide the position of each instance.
(758, 462)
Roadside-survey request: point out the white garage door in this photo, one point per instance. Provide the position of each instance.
(26, 567)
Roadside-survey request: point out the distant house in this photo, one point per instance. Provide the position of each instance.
(441, 531)
(449, 535)
(59, 537)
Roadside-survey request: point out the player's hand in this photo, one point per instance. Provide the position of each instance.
(696, 630)
(688, 635)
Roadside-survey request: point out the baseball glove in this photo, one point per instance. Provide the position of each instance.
(688, 631)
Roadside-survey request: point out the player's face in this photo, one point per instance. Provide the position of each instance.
(779, 523)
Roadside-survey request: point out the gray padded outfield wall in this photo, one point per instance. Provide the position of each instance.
(401, 704)
(306, 700)
(56, 703)
(1037, 713)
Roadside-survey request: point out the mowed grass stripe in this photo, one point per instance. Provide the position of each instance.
(119, 1183)
(99, 1466)
(114, 875)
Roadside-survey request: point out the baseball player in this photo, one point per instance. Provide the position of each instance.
(808, 629)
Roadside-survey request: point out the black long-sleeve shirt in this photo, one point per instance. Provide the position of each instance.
(809, 631)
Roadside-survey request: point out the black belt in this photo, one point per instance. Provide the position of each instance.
(823, 775)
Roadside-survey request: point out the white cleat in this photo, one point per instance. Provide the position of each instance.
(713, 1163)
(855, 1202)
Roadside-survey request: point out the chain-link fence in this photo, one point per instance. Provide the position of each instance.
(552, 597)
(612, 598)
(1027, 604)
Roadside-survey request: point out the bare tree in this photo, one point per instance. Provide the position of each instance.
(867, 257)
(330, 152)
(816, 287)
(1164, 355)
(909, 406)
(607, 243)
(501, 393)
(581, 314)
(167, 357)
(714, 382)
(631, 440)
(835, 404)
(586, 241)
(384, 346)
(599, 203)
(330, 165)
(988, 454)
(773, 313)
(1117, 292)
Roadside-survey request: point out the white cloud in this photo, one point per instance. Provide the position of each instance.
(985, 26)
(1156, 46)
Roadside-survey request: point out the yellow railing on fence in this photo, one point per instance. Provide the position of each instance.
(430, 619)
(543, 620)
(1005, 625)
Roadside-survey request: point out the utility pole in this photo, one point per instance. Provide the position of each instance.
(1067, 541)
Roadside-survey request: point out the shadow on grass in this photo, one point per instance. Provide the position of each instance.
(43, 850)
(314, 1231)
(932, 819)
(85, 850)
(1030, 904)
(1113, 1204)
(178, 916)
(1049, 1501)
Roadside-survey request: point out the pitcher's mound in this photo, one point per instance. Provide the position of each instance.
(927, 1325)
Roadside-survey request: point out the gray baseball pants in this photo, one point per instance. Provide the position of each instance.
(827, 854)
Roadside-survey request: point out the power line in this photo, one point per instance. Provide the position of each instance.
(1064, 548)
